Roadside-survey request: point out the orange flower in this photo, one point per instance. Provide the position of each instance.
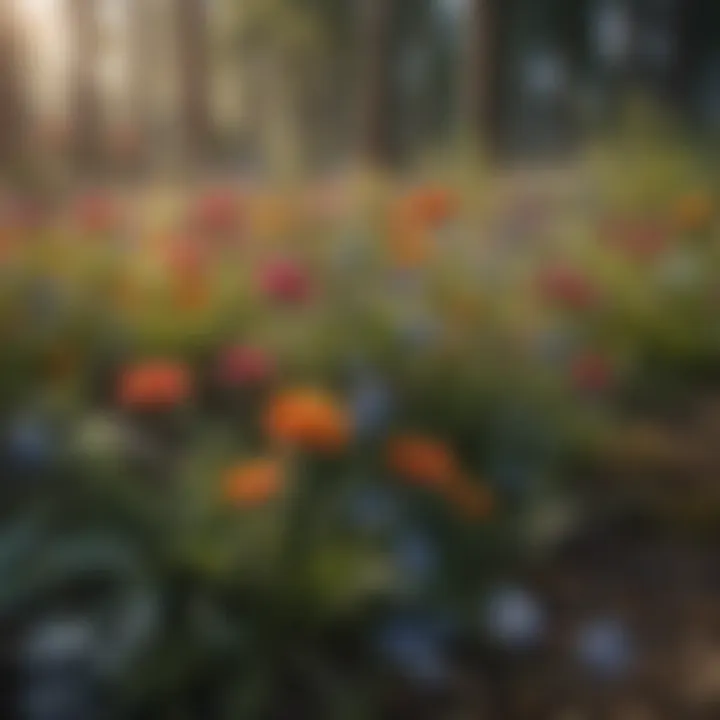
(253, 483)
(309, 419)
(409, 240)
(191, 294)
(432, 206)
(423, 461)
(62, 363)
(694, 211)
(154, 384)
(472, 500)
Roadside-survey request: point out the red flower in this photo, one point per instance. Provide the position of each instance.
(591, 372)
(642, 240)
(244, 365)
(186, 258)
(23, 215)
(568, 287)
(285, 281)
(217, 212)
(156, 384)
(432, 206)
(96, 213)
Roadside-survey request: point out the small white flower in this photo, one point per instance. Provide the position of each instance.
(604, 647)
(514, 617)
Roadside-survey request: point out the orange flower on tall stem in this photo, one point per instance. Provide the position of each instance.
(156, 384)
(97, 213)
(694, 212)
(473, 500)
(253, 483)
(308, 419)
(422, 461)
(432, 206)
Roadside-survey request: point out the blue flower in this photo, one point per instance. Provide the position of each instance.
(605, 647)
(43, 301)
(29, 445)
(372, 405)
(513, 617)
(372, 510)
(416, 558)
(415, 646)
(420, 331)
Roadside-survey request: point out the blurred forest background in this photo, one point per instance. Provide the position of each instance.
(242, 85)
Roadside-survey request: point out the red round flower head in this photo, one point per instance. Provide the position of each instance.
(643, 241)
(285, 281)
(591, 372)
(154, 385)
(186, 257)
(96, 213)
(568, 287)
(243, 365)
(216, 212)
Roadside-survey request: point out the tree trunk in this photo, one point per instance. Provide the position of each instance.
(85, 101)
(376, 85)
(141, 59)
(13, 110)
(193, 59)
(481, 101)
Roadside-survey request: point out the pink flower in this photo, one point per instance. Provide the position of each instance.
(186, 257)
(244, 365)
(97, 213)
(568, 287)
(216, 212)
(285, 281)
(591, 372)
(644, 240)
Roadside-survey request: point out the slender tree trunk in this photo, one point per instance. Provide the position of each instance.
(480, 102)
(192, 29)
(141, 58)
(85, 101)
(376, 85)
(13, 109)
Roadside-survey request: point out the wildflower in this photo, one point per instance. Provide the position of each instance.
(513, 617)
(371, 510)
(432, 206)
(191, 294)
(643, 239)
(29, 444)
(96, 214)
(568, 287)
(471, 499)
(416, 648)
(591, 372)
(409, 241)
(285, 281)
(154, 384)
(682, 271)
(309, 419)
(422, 461)
(99, 437)
(185, 258)
(245, 365)
(415, 558)
(371, 405)
(693, 212)
(253, 483)
(216, 212)
(605, 647)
